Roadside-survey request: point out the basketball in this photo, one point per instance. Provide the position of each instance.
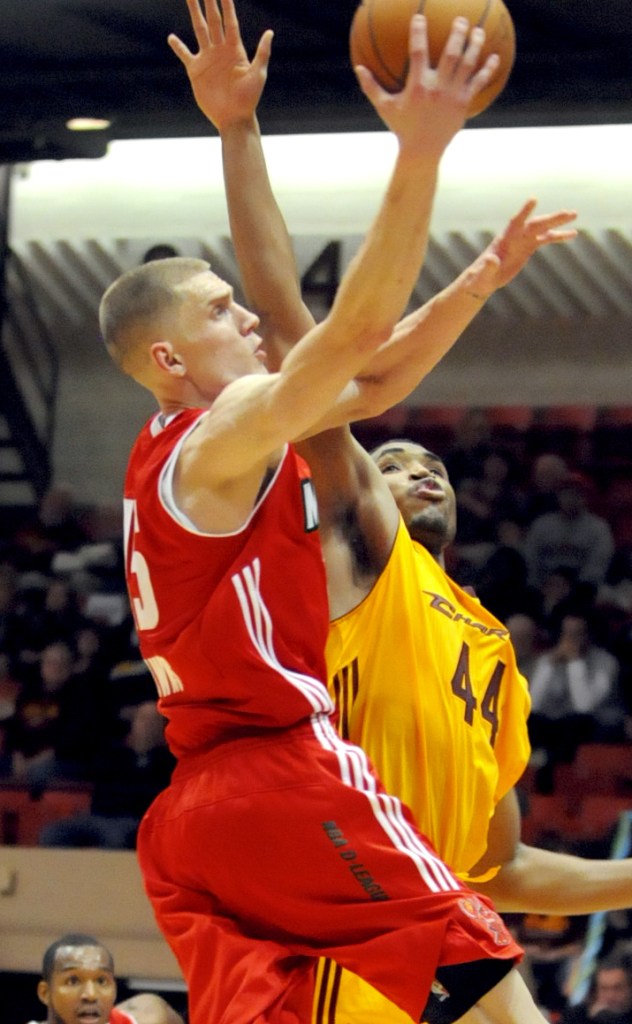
(380, 31)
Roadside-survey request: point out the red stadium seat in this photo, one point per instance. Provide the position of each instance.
(600, 815)
(24, 812)
(517, 416)
(549, 813)
(603, 768)
(577, 417)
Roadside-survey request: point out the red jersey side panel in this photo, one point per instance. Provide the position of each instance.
(233, 626)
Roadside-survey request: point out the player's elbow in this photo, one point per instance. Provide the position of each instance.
(368, 400)
(357, 328)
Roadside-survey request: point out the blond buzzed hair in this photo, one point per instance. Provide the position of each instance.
(137, 301)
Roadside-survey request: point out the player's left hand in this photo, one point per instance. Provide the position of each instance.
(227, 86)
(509, 251)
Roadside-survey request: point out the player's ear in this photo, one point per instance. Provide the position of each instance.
(43, 991)
(166, 358)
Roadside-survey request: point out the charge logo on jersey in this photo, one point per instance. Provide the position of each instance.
(310, 506)
(441, 604)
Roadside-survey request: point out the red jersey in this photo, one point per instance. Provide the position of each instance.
(121, 1017)
(232, 626)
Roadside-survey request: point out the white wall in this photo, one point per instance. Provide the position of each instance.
(47, 893)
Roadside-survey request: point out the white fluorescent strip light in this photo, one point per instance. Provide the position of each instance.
(326, 184)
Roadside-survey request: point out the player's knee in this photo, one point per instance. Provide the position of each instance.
(459, 987)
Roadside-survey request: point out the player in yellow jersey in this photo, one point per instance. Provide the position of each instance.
(446, 724)
(425, 679)
(467, 699)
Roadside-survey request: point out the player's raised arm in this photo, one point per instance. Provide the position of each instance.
(227, 87)
(376, 287)
(423, 337)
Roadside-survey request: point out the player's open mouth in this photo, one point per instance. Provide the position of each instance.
(428, 490)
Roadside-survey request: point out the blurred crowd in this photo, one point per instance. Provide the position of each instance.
(535, 541)
(77, 704)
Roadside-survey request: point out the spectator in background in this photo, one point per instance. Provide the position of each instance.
(614, 605)
(92, 658)
(489, 536)
(61, 721)
(558, 593)
(574, 695)
(506, 497)
(8, 590)
(526, 640)
(26, 623)
(10, 688)
(61, 616)
(472, 445)
(46, 610)
(610, 998)
(616, 591)
(5, 756)
(34, 728)
(488, 497)
(548, 473)
(475, 513)
(56, 526)
(127, 777)
(501, 584)
(572, 538)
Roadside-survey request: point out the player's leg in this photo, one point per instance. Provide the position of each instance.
(342, 996)
(300, 846)
(510, 1000)
(478, 1016)
(231, 978)
(474, 1016)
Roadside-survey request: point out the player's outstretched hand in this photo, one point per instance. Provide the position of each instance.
(226, 85)
(433, 104)
(510, 250)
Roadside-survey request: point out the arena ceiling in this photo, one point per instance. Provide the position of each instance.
(109, 59)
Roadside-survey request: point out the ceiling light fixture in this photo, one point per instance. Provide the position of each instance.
(88, 124)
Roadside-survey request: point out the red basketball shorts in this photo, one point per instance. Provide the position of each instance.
(271, 851)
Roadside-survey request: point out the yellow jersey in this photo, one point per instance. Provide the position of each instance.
(426, 681)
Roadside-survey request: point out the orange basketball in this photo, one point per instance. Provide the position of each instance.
(380, 31)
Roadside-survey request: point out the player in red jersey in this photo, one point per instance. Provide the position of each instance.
(275, 843)
(78, 984)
